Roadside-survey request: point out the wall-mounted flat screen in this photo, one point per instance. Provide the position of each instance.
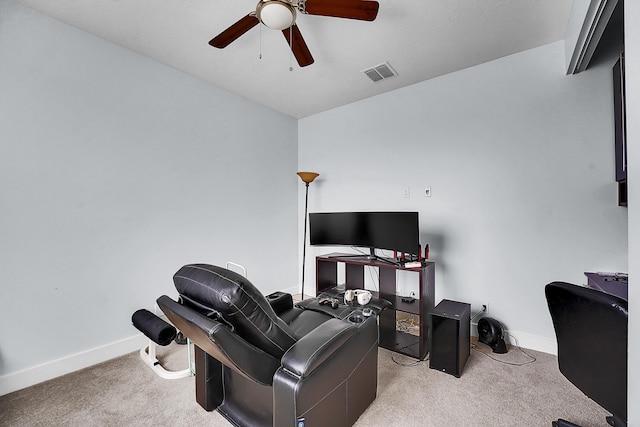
(397, 231)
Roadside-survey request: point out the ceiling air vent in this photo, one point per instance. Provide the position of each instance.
(380, 72)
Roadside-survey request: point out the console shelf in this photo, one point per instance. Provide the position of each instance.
(391, 338)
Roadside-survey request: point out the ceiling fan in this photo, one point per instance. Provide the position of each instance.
(281, 15)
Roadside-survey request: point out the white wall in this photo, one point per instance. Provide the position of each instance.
(114, 172)
(519, 158)
(632, 64)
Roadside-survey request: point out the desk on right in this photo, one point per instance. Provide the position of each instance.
(611, 283)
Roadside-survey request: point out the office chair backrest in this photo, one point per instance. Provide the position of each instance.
(591, 331)
(211, 289)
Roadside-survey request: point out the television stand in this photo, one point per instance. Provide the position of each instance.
(410, 344)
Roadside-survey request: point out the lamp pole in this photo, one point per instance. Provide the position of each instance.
(307, 178)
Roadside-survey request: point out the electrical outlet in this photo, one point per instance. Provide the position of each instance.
(406, 192)
(485, 308)
(427, 192)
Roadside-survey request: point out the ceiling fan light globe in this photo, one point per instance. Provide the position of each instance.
(276, 14)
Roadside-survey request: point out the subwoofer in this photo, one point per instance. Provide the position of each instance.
(450, 337)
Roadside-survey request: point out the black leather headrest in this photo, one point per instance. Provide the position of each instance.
(239, 303)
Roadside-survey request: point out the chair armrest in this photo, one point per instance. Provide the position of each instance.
(280, 302)
(217, 340)
(329, 376)
(315, 347)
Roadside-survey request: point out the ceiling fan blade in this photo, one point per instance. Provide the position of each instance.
(298, 46)
(364, 10)
(229, 35)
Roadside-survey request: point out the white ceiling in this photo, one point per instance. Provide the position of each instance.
(421, 39)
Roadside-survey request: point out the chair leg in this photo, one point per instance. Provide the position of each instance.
(563, 423)
(209, 390)
(612, 420)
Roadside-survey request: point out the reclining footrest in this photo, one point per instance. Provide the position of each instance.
(156, 329)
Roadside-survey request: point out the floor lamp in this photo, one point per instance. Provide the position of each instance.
(307, 178)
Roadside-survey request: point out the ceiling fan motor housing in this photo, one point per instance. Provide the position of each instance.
(281, 15)
(491, 333)
(276, 14)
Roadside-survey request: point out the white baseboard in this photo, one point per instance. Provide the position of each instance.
(49, 370)
(524, 340)
(534, 342)
(294, 290)
(65, 365)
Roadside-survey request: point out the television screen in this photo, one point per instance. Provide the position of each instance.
(396, 231)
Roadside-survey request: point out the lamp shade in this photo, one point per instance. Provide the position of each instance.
(308, 177)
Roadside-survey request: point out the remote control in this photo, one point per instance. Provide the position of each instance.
(329, 301)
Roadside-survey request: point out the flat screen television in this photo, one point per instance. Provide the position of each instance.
(397, 231)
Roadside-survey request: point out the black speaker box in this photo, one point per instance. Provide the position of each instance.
(450, 336)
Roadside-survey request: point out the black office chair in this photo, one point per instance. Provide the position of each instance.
(591, 330)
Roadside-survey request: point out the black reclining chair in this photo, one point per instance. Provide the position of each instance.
(591, 330)
(259, 367)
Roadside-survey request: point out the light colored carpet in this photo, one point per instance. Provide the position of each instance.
(125, 392)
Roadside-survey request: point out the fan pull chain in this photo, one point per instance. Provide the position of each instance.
(291, 48)
(260, 41)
